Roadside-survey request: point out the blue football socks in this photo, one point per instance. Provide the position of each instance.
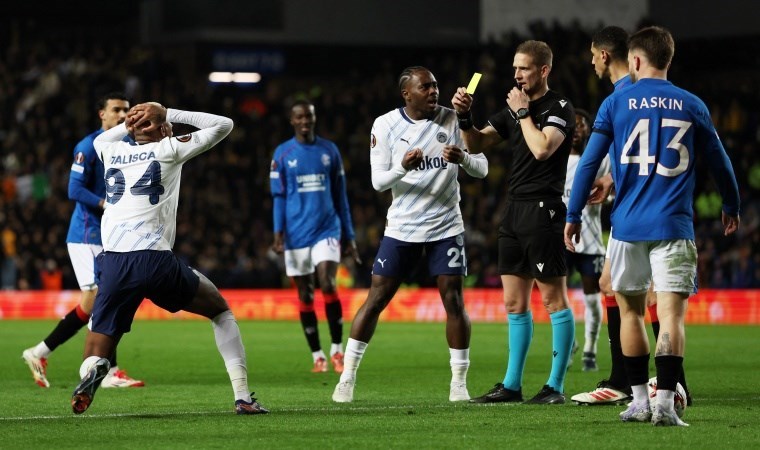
(563, 333)
(520, 335)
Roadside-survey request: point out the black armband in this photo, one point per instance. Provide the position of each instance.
(465, 120)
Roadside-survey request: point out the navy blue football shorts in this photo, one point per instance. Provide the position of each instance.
(586, 265)
(128, 278)
(397, 258)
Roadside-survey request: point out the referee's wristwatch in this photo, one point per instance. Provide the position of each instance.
(522, 113)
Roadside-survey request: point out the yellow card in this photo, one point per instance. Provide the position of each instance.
(473, 83)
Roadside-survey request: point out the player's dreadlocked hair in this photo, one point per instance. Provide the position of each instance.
(407, 74)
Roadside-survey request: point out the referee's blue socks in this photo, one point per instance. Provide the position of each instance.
(520, 335)
(563, 333)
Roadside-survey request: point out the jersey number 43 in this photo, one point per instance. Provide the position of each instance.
(640, 133)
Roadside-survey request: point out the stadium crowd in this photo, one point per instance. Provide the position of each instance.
(48, 87)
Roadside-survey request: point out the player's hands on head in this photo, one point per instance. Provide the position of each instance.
(453, 154)
(147, 117)
(572, 235)
(730, 223)
(517, 98)
(462, 101)
(412, 159)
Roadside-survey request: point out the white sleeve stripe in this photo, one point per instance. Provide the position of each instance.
(77, 168)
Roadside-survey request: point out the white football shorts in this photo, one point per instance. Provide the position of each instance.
(303, 261)
(671, 265)
(83, 260)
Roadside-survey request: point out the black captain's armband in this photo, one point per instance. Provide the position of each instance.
(604, 132)
(465, 120)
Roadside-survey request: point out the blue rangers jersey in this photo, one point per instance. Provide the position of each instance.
(656, 130)
(309, 188)
(87, 189)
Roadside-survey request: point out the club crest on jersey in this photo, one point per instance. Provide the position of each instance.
(184, 138)
(325, 159)
(441, 137)
(372, 141)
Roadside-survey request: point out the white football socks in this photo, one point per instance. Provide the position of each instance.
(640, 393)
(86, 365)
(665, 400)
(318, 354)
(336, 348)
(593, 321)
(351, 359)
(41, 350)
(459, 362)
(230, 345)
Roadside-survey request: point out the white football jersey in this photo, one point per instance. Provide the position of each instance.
(142, 181)
(425, 200)
(591, 231)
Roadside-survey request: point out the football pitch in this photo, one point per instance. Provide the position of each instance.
(401, 397)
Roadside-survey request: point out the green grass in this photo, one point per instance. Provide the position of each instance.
(401, 399)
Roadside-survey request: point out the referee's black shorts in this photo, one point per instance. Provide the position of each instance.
(531, 239)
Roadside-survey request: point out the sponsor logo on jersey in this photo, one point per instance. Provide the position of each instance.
(441, 137)
(311, 182)
(132, 157)
(184, 138)
(79, 158)
(540, 267)
(562, 103)
(372, 141)
(325, 159)
(382, 262)
(551, 213)
(293, 163)
(432, 163)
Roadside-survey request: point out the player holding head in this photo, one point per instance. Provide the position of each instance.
(87, 190)
(311, 221)
(416, 152)
(656, 131)
(589, 259)
(142, 191)
(538, 123)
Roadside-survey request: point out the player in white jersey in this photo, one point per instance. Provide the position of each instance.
(87, 189)
(142, 191)
(416, 151)
(589, 257)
